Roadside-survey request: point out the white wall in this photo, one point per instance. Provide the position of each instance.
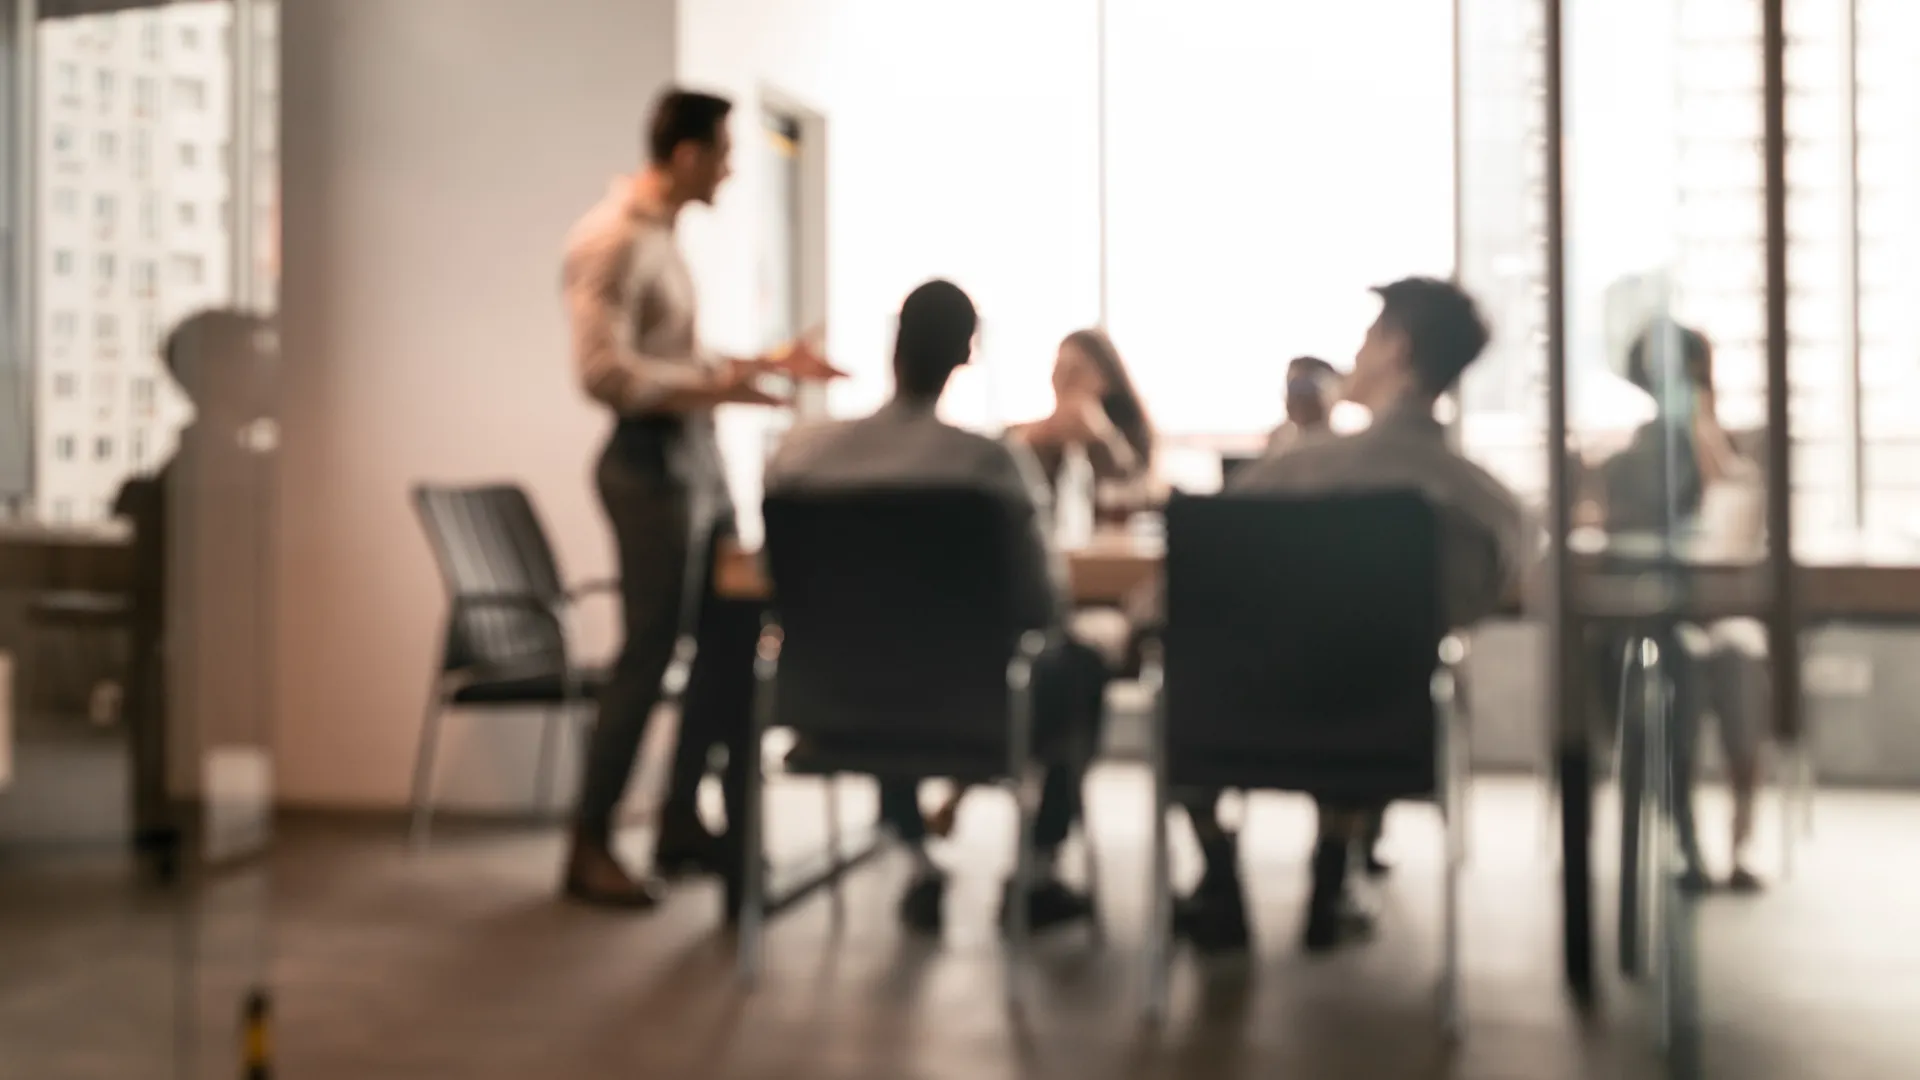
(961, 144)
(435, 153)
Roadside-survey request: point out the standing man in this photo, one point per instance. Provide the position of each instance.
(630, 301)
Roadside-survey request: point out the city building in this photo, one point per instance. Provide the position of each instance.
(135, 232)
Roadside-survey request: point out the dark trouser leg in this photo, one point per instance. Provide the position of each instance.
(718, 707)
(900, 810)
(650, 520)
(1684, 717)
(1329, 918)
(1069, 709)
(1216, 844)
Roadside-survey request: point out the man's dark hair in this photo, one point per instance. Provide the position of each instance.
(1650, 360)
(684, 116)
(937, 322)
(1444, 329)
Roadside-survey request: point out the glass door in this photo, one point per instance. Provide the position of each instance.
(137, 555)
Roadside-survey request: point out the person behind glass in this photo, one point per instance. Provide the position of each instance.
(1657, 486)
(1313, 386)
(1427, 333)
(223, 361)
(630, 302)
(905, 444)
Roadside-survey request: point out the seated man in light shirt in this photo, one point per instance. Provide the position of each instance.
(905, 444)
(1427, 333)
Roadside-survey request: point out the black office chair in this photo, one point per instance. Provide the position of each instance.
(1231, 465)
(898, 647)
(1305, 650)
(505, 644)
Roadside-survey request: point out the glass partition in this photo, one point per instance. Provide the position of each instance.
(1737, 230)
(136, 551)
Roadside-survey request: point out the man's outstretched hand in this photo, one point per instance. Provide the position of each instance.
(802, 361)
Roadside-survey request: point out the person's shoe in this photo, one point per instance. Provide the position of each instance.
(1345, 922)
(687, 849)
(1745, 882)
(1333, 919)
(923, 905)
(595, 878)
(940, 822)
(1694, 881)
(1050, 903)
(1374, 866)
(1213, 919)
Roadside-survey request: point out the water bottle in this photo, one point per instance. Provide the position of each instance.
(1073, 500)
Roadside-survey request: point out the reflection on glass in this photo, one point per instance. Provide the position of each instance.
(137, 281)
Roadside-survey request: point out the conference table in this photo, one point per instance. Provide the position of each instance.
(38, 557)
(41, 556)
(1837, 577)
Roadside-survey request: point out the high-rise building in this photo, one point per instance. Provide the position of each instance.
(135, 205)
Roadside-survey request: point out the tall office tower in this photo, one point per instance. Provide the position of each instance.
(1853, 128)
(1502, 226)
(136, 224)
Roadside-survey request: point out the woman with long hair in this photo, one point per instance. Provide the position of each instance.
(1095, 406)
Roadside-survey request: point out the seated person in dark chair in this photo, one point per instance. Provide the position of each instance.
(1427, 333)
(224, 363)
(906, 444)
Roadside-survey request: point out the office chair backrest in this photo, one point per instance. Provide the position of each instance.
(1232, 464)
(899, 615)
(499, 571)
(1303, 635)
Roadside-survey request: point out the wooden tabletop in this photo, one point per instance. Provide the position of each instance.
(1840, 577)
(41, 556)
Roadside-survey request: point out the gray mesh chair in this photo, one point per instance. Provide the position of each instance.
(505, 641)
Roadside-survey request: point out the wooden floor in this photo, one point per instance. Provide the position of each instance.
(459, 963)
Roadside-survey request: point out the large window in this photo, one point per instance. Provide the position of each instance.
(1266, 164)
(1665, 215)
(129, 242)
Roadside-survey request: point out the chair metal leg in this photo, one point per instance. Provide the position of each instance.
(753, 892)
(423, 761)
(1090, 859)
(1159, 944)
(837, 852)
(1809, 785)
(1665, 903)
(1789, 827)
(543, 766)
(1630, 787)
(1019, 771)
(1450, 789)
(1658, 827)
(1019, 922)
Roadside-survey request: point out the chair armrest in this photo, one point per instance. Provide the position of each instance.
(593, 588)
(1449, 677)
(522, 602)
